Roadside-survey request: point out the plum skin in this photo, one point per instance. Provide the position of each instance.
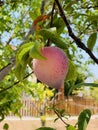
(53, 70)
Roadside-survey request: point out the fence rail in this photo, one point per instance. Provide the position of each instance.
(72, 106)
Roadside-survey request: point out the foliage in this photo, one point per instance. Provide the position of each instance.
(83, 119)
(70, 85)
(45, 128)
(81, 124)
(25, 27)
(6, 126)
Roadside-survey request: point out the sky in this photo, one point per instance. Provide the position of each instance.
(94, 70)
(94, 67)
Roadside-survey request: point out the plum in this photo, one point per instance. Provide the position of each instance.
(53, 70)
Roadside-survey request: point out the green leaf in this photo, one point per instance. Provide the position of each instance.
(20, 71)
(56, 119)
(86, 84)
(61, 111)
(80, 85)
(70, 127)
(36, 53)
(45, 128)
(83, 119)
(59, 24)
(24, 57)
(72, 72)
(23, 53)
(92, 17)
(92, 40)
(54, 37)
(5, 126)
(1, 116)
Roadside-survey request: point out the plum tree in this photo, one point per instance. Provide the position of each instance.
(53, 70)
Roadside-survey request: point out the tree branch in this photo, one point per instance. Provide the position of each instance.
(6, 69)
(42, 7)
(96, 6)
(9, 40)
(60, 117)
(15, 83)
(51, 21)
(77, 40)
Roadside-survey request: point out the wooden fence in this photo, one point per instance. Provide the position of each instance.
(72, 106)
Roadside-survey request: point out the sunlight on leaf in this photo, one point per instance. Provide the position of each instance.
(45, 128)
(5, 126)
(72, 73)
(35, 52)
(70, 127)
(54, 37)
(83, 119)
(91, 41)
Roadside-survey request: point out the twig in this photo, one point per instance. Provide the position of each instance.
(42, 7)
(9, 40)
(89, 7)
(6, 69)
(1, 3)
(78, 41)
(51, 22)
(81, 32)
(59, 116)
(15, 83)
(52, 13)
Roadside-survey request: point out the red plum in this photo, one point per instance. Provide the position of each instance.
(53, 70)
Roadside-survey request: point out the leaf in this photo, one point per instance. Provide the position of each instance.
(70, 127)
(1, 117)
(36, 53)
(5, 126)
(59, 24)
(86, 84)
(54, 37)
(83, 119)
(45, 128)
(56, 119)
(20, 71)
(80, 85)
(92, 17)
(23, 53)
(72, 72)
(24, 57)
(92, 40)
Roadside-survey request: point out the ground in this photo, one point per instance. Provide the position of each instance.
(33, 123)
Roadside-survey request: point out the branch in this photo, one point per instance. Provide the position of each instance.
(10, 39)
(96, 6)
(1, 3)
(15, 83)
(42, 7)
(60, 117)
(51, 22)
(52, 14)
(78, 41)
(6, 69)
